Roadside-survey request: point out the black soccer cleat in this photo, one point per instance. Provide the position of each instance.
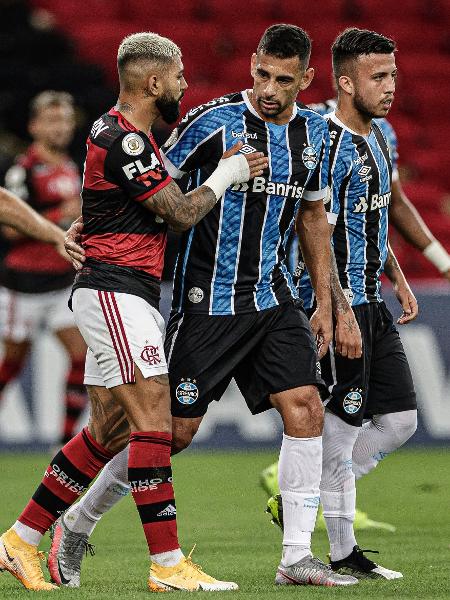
(361, 567)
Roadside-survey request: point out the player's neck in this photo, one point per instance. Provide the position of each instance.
(354, 120)
(137, 112)
(48, 154)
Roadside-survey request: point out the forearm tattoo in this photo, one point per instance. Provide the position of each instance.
(178, 210)
(339, 301)
(391, 266)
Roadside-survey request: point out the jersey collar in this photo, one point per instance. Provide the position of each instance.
(333, 117)
(253, 111)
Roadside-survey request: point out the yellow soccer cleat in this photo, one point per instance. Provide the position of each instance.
(23, 561)
(185, 576)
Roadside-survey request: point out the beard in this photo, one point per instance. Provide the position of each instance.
(169, 108)
(362, 107)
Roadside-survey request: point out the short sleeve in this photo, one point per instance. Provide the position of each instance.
(133, 162)
(317, 186)
(16, 181)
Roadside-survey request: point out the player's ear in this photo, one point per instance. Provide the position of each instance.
(154, 85)
(253, 64)
(307, 77)
(346, 84)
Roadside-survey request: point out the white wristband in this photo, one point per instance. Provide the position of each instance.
(438, 255)
(228, 172)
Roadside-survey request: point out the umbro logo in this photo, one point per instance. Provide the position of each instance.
(247, 149)
(365, 170)
(169, 511)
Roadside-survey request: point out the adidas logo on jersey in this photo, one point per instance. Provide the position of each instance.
(275, 188)
(169, 511)
(376, 202)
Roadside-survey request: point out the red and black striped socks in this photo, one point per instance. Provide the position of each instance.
(67, 477)
(76, 399)
(150, 476)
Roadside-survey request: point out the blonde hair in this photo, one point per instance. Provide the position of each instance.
(147, 46)
(49, 98)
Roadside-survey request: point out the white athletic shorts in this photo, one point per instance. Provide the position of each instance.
(22, 315)
(121, 331)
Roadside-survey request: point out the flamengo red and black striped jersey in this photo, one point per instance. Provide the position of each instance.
(123, 240)
(32, 266)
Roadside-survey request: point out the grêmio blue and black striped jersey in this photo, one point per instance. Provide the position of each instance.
(360, 176)
(233, 260)
(329, 106)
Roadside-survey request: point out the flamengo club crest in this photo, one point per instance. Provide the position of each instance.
(151, 355)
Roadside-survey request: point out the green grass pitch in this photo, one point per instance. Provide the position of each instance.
(220, 508)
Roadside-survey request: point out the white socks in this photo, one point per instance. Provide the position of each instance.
(167, 559)
(27, 534)
(381, 436)
(299, 470)
(337, 487)
(109, 487)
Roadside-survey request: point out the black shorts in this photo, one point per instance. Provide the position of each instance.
(379, 382)
(266, 352)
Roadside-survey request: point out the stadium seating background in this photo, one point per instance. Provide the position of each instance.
(72, 45)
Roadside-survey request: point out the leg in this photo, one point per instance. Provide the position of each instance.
(299, 467)
(13, 360)
(76, 397)
(379, 437)
(392, 402)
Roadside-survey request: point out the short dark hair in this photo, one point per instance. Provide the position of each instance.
(354, 42)
(286, 41)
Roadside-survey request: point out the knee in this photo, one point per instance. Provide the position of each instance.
(400, 426)
(182, 436)
(301, 410)
(406, 425)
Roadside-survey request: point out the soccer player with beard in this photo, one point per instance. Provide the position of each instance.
(235, 310)
(128, 201)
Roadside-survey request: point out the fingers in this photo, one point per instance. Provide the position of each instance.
(323, 343)
(233, 150)
(257, 162)
(410, 310)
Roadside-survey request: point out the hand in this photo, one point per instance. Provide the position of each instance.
(348, 335)
(408, 302)
(257, 162)
(322, 328)
(59, 245)
(71, 244)
(446, 275)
